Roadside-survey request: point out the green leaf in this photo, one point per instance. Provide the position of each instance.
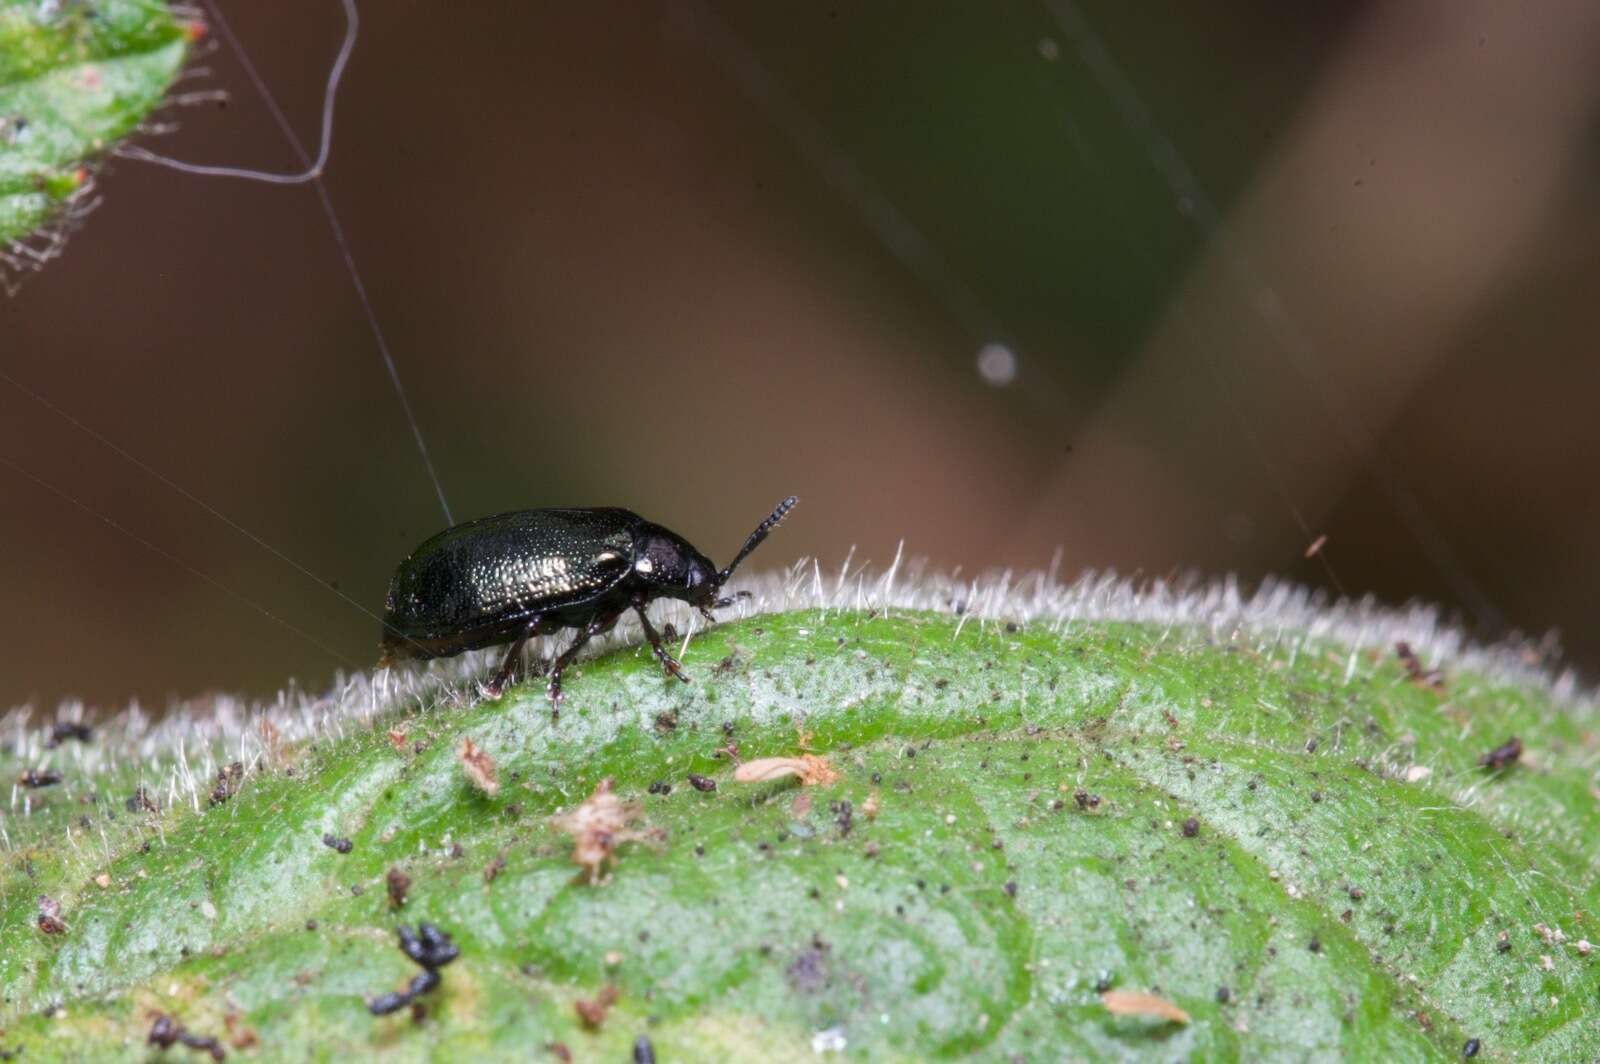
(75, 75)
(1024, 816)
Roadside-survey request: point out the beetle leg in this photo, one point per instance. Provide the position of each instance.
(595, 626)
(513, 658)
(662, 656)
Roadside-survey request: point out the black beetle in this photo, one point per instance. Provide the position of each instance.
(507, 578)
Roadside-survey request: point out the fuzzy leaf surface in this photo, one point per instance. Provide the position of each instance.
(1023, 820)
(74, 77)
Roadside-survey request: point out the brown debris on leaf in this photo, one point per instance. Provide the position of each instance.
(397, 739)
(240, 1034)
(229, 779)
(50, 921)
(592, 1011)
(1505, 755)
(813, 770)
(1432, 679)
(479, 767)
(398, 883)
(600, 824)
(1138, 1003)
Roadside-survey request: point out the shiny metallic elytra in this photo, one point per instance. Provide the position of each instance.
(508, 578)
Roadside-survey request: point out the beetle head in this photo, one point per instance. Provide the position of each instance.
(670, 567)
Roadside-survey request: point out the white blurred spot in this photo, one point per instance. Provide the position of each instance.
(997, 365)
(1049, 50)
(829, 1040)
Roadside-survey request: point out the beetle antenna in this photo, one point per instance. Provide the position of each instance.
(757, 536)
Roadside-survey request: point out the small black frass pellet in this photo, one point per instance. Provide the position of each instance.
(1471, 1048)
(643, 1051)
(508, 578)
(63, 730)
(40, 777)
(430, 949)
(424, 982)
(167, 1032)
(702, 783)
(333, 842)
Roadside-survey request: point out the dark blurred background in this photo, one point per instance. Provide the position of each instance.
(1165, 286)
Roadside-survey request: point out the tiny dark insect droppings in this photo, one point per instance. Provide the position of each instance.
(1224, 995)
(1010, 888)
(40, 777)
(560, 1051)
(702, 783)
(1315, 945)
(140, 801)
(533, 572)
(341, 845)
(1507, 753)
(643, 1051)
(1191, 828)
(666, 720)
(398, 883)
(669, 632)
(61, 731)
(1102, 984)
(431, 949)
(311, 925)
(1471, 1048)
(167, 1032)
(494, 867)
(1086, 800)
